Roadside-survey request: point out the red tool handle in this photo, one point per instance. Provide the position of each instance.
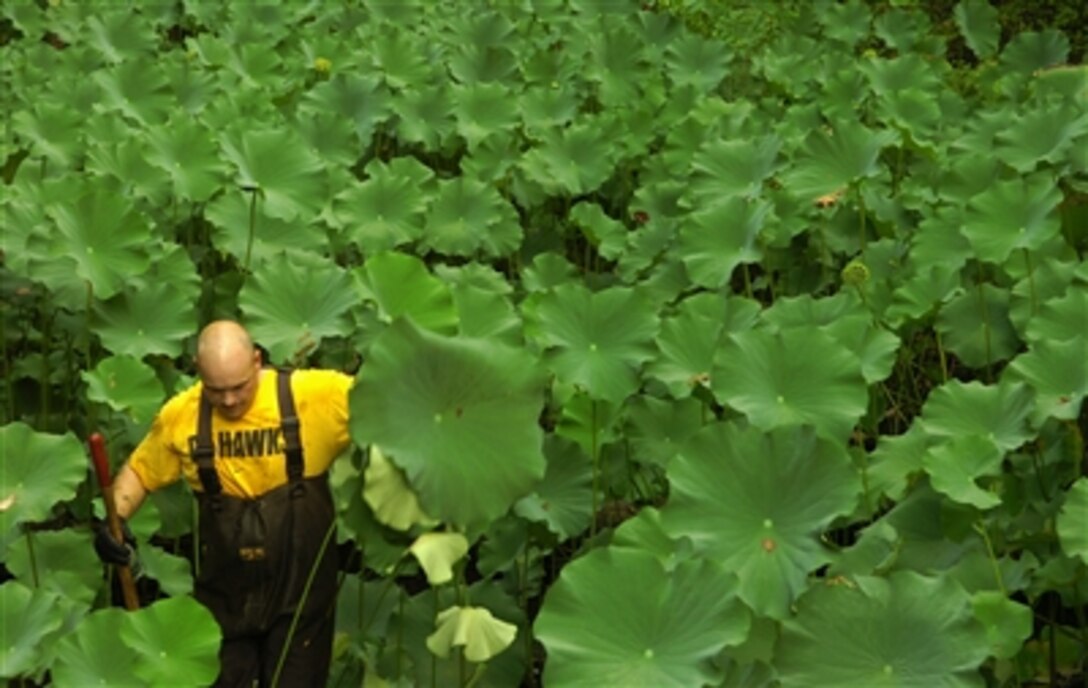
(102, 471)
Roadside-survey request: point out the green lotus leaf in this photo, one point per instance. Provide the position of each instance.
(105, 236)
(547, 271)
(176, 641)
(955, 465)
(589, 422)
(691, 60)
(616, 617)
(121, 165)
(172, 572)
(902, 28)
(424, 114)
(975, 326)
(38, 470)
(28, 615)
(361, 98)
(1043, 134)
(386, 210)
(907, 72)
(437, 553)
(285, 173)
(731, 167)
(1071, 519)
(906, 630)
(184, 148)
(796, 376)
(922, 292)
(828, 162)
(402, 58)
(658, 428)
(1011, 215)
(875, 347)
(121, 36)
(962, 409)
(52, 129)
(914, 111)
(977, 22)
(478, 62)
(229, 214)
(459, 416)
(1061, 319)
(330, 137)
(598, 340)
(126, 384)
(60, 561)
(563, 499)
(1030, 51)
(295, 300)
(572, 161)
(757, 502)
(474, 628)
(721, 237)
(402, 287)
(91, 656)
(895, 460)
(1058, 372)
(137, 89)
(468, 216)
(485, 314)
(155, 318)
(689, 339)
(390, 496)
(607, 235)
(616, 64)
(846, 22)
(1008, 623)
(543, 107)
(483, 108)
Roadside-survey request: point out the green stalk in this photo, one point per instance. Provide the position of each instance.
(986, 331)
(1031, 281)
(861, 211)
(747, 281)
(942, 357)
(981, 530)
(33, 559)
(302, 603)
(434, 657)
(400, 631)
(865, 484)
(595, 455)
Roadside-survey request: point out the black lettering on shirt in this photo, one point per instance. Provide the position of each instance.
(245, 444)
(226, 447)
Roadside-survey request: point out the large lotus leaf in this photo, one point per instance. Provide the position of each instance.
(563, 499)
(138, 89)
(424, 114)
(155, 318)
(574, 160)
(906, 630)
(1043, 134)
(688, 340)
(279, 167)
(122, 165)
(976, 327)
(1011, 215)
(387, 209)
(616, 617)
(1072, 519)
(607, 235)
(176, 641)
(896, 459)
(908, 72)
(732, 167)
(1061, 319)
(402, 287)
(594, 340)
(121, 36)
(402, 58)
(468, 216)
(105, 236)
(589, 422)
(437, 553)
(295, 300)
(482, 109)
(38, 471)
(658, 428)
(977, 21)
(173, 573)
(960, 409)
(27, 616)
(61, 561)
(955, 465)
(1030, 51)
(361, 98)
(230, 215)
(615, 61)
(459, 416)
(1058, 372)
(126, 384)
(185, 149)
(691, 60)
(485, 314)
(1008, 623)
(52, 128)
(92, 656)
(715, 240)
(831, 161)
(796, 376)
(757, 503)
(390, 496)
(474, 628)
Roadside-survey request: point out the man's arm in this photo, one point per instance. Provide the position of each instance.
(128, 492)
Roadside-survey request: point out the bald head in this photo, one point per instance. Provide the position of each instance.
(229, 367)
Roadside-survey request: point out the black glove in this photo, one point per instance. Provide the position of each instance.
(111, 551)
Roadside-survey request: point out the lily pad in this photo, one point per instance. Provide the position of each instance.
(1072, 519)
(474, 628)
(27, 616)
(437, 553)
(126, 384)
(38, 470)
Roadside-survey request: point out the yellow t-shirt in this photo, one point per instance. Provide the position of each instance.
(249, 454)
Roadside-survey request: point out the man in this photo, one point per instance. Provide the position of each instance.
(256, 457)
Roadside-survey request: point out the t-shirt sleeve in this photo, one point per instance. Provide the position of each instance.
(154, 460)
(325, 415)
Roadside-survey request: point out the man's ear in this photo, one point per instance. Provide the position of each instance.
(257, 357)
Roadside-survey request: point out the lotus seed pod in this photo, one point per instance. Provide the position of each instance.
(855, 273)
(322, 65)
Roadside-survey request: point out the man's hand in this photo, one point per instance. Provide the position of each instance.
(111, 551)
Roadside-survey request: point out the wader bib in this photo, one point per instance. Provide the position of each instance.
(256, 554)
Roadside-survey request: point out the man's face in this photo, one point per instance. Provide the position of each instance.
(231, 384)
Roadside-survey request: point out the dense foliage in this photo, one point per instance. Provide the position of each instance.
(738, 349)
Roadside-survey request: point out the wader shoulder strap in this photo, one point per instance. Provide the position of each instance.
(204, 453)
(290, 426)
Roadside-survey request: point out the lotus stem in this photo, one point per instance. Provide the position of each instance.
(942, 357)
(986, 331)
(1035, 460)
(865, 484)
(434, 657)
(747, 281)
(861, 213)
(461, 668)
(1031, 281)
(43, 385)
(302, 603)
(33, 559)
(980, 528)
(595, 456)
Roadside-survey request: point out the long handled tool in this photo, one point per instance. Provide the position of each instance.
(102, 471)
